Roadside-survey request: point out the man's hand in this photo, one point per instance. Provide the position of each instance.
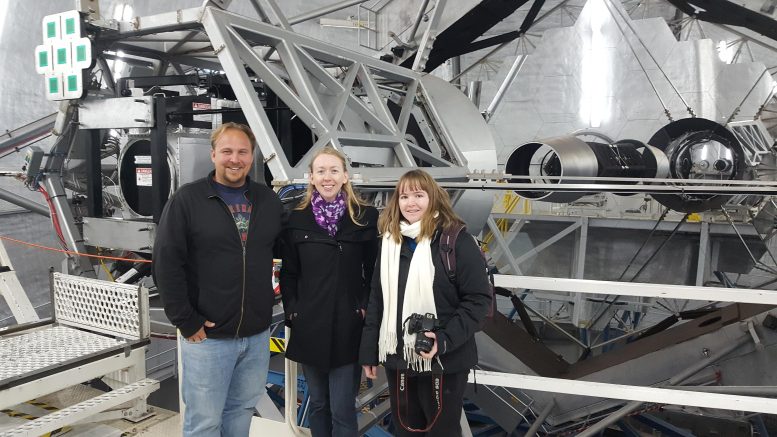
(200, 335)
(370, 371)
(429, 355)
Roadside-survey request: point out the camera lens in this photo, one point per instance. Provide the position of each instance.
(423, 343)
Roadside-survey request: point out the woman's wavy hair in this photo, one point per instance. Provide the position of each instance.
(439, 205)
(354, 202)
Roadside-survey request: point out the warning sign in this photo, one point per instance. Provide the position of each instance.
(143, 176)
(277, 345)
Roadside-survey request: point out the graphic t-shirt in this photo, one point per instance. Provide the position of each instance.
(238, 205)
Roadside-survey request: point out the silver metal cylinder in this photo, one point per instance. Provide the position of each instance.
(662, 162)
(558, 156)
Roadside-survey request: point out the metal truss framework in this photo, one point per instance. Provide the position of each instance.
(340, 95)
(670, 391)
(582, 310)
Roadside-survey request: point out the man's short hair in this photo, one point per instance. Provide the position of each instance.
(216, 134)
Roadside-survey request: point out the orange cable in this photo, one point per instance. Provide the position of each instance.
(70, 252)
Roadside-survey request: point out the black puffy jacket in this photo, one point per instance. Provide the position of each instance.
(201, 268)
(325, 282)
(461, 307)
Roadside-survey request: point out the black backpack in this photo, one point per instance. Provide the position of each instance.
(448, 257)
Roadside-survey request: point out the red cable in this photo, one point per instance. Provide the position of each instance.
(70, 252)
(58, 229)
(54, 216)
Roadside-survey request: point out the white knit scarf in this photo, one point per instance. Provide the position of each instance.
(419, 296)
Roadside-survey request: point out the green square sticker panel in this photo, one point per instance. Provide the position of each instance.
(53, 85)
(51, 29)
(43, 59)
(81, 53)
(70, 26)
(72, 83)
(61, 56)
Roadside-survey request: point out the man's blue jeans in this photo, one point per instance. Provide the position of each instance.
(332, 400)
(222, 381)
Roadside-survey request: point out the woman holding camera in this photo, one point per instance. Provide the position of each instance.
(329, 249)
(421, 323)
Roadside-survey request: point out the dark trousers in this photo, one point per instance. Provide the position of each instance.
(417, 405)
(331, 405)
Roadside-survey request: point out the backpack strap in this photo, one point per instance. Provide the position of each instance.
(448, 250)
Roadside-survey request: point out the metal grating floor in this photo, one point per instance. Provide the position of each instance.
(37, 350)
(163, 423)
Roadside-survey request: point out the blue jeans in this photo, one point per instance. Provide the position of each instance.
(332, 400)
(222, 381)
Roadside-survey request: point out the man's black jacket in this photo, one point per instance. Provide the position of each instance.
(203, 271)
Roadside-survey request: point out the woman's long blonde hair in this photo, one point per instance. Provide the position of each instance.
(439, 203)
(354, 202)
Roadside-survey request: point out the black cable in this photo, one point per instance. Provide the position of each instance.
(644, 266)
(628, 266)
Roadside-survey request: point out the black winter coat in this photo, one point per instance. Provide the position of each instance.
(325, 282)
(461, 308)
(203, 271)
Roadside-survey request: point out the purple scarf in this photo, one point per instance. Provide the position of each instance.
(327, 214)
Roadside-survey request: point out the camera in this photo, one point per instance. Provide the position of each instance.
(418, 324)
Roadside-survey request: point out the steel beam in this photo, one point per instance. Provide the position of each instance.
(540, 419)
(704, 244)
(628, 392)
(675, 380)
(13, 292)
(630, 224)
(233, 66)
(417, 22)
(666, 291)
(24, 203)
(514, 230)
(581, 306)
(427, 41)
(323, 11)
(547, 243)
(515, 68)
(504, 245)
(27, 134)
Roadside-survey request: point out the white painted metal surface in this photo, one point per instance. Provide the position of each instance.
(108, 307)
(743, 295)
(628, 392)
(36, 350)
(84, 409)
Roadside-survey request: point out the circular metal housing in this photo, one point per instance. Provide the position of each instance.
(558, 156)
(135, 176)
(696, 149)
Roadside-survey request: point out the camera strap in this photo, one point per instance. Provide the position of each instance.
(402, 393)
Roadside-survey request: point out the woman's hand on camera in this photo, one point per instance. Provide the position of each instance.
(429, 355)
(370, 371)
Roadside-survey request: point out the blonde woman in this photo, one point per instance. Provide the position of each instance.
(410, 289)
(329, 249)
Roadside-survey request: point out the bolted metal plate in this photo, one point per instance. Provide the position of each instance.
(116, 233)
(116, 113)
